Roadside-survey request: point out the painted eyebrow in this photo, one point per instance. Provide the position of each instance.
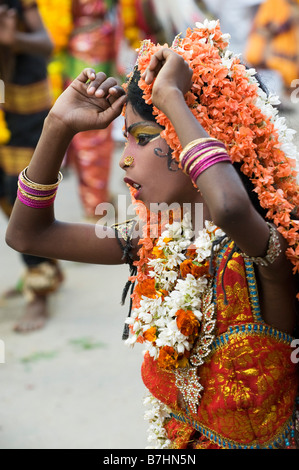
(145, 124)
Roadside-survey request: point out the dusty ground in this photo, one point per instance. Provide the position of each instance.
(73, 384)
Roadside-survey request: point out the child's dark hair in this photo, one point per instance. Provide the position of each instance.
(134, 96)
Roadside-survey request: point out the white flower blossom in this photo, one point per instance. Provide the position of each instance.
(226, 37)
(273, 99)
(153, 351)
(174, 260)
(227, 59)
(198, 314)
(131, 341)
(210, 25)
(136, 326)
(147, 318)
(171, 276)
(157, 265)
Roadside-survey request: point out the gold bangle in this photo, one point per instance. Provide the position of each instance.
(35, 198)
(39, 186)
(193, 144)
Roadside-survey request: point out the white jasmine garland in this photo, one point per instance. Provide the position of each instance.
(182, 294)
(156, 416)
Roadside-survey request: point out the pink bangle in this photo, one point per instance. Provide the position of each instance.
(36, 204)
(201, 155)
(204, 165)
(198, 151)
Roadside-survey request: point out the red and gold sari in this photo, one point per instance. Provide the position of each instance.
(250, 383)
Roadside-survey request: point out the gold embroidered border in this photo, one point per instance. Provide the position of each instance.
(187, 379)
(27, 99)
(253, 292)
(225, 443)
(250, 329)
(251, 282)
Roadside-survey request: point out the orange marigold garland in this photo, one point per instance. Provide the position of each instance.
(235, 110)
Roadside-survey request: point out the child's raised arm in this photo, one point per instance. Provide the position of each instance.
(92, 101)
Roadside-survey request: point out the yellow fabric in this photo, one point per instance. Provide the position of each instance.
(14, 159)
(27, 99)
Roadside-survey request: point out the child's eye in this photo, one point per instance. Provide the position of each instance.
(143, 139)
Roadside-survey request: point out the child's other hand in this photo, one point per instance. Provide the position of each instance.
(92, 101)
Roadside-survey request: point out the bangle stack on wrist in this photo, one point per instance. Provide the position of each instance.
(36, 195)
(201, 154)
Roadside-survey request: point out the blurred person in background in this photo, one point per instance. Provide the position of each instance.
(236, 18)
(175, 16)
(273, 44)
(92, 44)
(151, 19)
(24, 50)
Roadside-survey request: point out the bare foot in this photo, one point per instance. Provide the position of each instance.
(35, 316)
